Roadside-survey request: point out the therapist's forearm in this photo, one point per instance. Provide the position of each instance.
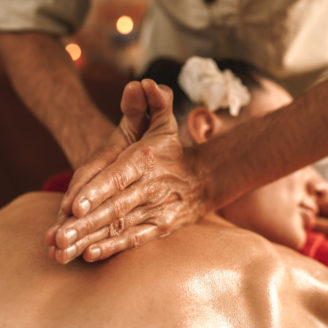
(47, 82)
(264, 149)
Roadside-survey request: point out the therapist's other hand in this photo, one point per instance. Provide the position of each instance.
(149, 191)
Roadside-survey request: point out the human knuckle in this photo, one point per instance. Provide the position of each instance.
(113, 230)
(119, 180)
(151, 190)
(120, 225)
(165, 224)
(134, 241)
(148, 156)
(79, 173)
(129, 131)
(118, 208)
(89, 225)
(83, 243)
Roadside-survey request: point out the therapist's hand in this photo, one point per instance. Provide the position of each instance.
(149, 191)
(130, 129)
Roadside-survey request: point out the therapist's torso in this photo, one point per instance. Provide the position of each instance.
(284, 37)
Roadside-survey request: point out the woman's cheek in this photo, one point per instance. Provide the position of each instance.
(297, 239)
(295, 231)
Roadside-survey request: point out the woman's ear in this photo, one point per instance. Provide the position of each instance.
(203, 124)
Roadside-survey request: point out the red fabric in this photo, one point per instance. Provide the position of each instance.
(58, 182)
(316, 246)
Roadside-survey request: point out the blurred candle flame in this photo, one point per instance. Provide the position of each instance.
(124, 25)
(74, 51)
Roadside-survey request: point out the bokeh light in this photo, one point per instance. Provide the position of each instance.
(74, 51)
(124, 25)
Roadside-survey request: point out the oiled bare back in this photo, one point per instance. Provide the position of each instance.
(206, 275)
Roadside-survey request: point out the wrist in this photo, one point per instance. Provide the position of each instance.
(201, 174)
(220, 178)
(81, 141)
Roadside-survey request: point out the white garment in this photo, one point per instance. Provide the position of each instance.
(56, 17)
(284, 37)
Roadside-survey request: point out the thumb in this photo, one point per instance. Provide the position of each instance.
(160, 101)
(134, 107)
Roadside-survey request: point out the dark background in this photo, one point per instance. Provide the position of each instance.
(28, 153)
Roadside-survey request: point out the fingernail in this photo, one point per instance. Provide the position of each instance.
(95, 252)
(71, 251)
(71, 235)
(85, 205)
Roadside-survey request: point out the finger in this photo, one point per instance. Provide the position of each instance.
(68, 254)
(132, 125)
(157, 215)
(159, 97)
(64, 256)
(134, 107)
(134, 218)
(160, 100)
(99, 189)
(108, 212)
(50, 236)
(130, 238)
(80, 178)
(117, 177)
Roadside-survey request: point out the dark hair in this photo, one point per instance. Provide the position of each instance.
(166, 71)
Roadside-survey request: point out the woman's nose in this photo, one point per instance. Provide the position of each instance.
(318, 189)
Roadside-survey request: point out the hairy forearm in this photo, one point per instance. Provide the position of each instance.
(264, 149)
(47, 82)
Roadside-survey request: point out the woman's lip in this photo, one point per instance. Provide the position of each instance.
(309, 216)
(314, 207)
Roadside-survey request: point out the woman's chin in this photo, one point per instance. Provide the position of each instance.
(298, 241)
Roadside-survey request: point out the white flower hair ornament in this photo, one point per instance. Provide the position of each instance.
(203, 82)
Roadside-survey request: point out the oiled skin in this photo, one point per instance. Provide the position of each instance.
(207, 275)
